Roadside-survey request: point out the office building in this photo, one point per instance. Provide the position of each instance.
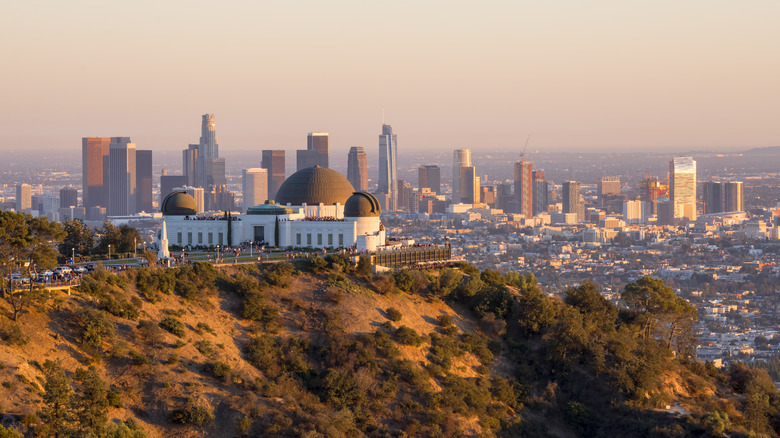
(571, 199)
(460, 158)
(94, 169)
(255, 186)
(388, 167)
(404, 196)
(504, 197)
(650, 189)
(634, 212)
(168, 184)
(524, 188)
(469, 185)
(733, 196)
(682, 187)
(429, 176)
(69, 197)
(189, 165)
(540, 197)
(712, 197)
(608, 187)
(273, 161)
(23, 197)
(143, 180)
(316, 152)
(208, 151)
(357, 168)
(122, 189)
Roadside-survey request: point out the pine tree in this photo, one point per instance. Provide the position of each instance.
(56, 413)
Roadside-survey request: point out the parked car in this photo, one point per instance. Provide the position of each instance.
(80, 270)
(62, 270)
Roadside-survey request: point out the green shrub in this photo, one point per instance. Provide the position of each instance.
(172, 326)
(444, 320)
(95, 328)
(393, 314)
(138, 358)
(203, 327)
(11, 334)
(192, 414)
(407, 336)
(220, 369)
(204, 347)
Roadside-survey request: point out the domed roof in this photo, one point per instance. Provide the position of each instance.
(179, 203)
(269, 208)
(314, 185)
(362, 204)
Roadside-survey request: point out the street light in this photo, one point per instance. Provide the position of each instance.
(135, 246)
(109, 251)
(250, 248)
(216, 257)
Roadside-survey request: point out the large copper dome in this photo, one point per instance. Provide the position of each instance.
(179, 203)
(314, 185)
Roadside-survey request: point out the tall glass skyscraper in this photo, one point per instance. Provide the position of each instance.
(94, 163)
(524, 188)
(357, 168)
(122, 181)
(733, 196)
(460, 158)
(210, 167)
(273, 161)
(388, 175)
(682, 187)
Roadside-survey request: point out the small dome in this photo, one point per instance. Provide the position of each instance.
(362, 204)
(269, 208)
(314, 185)
(179, 203)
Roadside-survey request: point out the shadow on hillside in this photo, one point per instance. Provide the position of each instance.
(65, 329)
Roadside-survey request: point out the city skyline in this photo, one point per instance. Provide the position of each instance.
(598, 76)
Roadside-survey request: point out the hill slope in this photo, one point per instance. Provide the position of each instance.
(310, 350)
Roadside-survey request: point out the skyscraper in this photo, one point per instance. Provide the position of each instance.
(23, 197)
(273, 161)
(608, 186)
(540, 196)
(682, 187)
(388, 167)
(94, 159)
(571, 199)
(316, 152)
(357, 168)
(524, 188)
(469, 185)
(143, 178)
(69, 197)
(429, 176)
(190, 164)
(460, 158)
(211, 169)
(122, 189)
(733, 196)
(255, 186)
(713, 197)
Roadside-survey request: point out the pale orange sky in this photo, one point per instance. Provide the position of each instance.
(574, 75)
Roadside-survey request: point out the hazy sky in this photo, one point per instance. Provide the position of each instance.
(574, 75)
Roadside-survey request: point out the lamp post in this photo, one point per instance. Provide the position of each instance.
(135, 246)
(250, 248)
(73, 254)
(216, 257)
(109, 251)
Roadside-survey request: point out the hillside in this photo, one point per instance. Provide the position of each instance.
(312, 350)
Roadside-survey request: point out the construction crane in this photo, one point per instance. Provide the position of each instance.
(522, 154)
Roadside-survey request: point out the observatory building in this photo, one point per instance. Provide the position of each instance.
(315, 207)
